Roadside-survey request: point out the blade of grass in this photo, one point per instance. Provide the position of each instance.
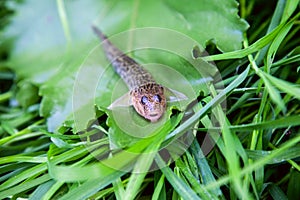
(277, 193)
(203, 167)
(285, 86)
(291, 153)
(24, 186)
(257, 46)
(275, 45)
(118, 189)
(105, 168)
(158, 188)
(198, 188)
(33, 171)
(272, 124)
(40, 168)
(88, 188)
(275, 21)
(41, 190)
(289, 9)
(259, 163)
(274, 93)
(219, 98)
(146, 158)
(64, 20)
(48, 195)
(232, 147)
(21, 158)
(181, 188)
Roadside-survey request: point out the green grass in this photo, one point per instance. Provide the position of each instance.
(255, 150)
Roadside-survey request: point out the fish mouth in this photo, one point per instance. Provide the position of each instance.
(153, 117)
(153, 114)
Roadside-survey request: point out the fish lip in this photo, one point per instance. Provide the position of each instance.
(153, 114)
(154, 117)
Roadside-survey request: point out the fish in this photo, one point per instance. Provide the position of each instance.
(148, 97)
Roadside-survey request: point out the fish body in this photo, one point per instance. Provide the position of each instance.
(146, 95)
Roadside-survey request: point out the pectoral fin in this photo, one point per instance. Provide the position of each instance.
(174, 95)
(123, 101)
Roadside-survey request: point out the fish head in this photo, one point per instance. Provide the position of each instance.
(149, 101)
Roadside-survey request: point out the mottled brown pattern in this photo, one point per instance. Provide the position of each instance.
(147, 96)
(149, 101)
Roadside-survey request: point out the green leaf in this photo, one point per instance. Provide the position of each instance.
(27, 94)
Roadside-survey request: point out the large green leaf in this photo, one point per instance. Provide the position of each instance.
(51, 40)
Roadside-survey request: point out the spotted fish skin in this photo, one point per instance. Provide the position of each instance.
(147, 96)
(133, 74)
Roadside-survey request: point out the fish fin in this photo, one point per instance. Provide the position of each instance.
(174, 95)
(123, 101)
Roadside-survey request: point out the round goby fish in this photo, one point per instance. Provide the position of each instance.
(147, 97)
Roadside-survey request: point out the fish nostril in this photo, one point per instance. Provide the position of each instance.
(154, 108)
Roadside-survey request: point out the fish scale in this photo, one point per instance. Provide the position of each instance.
(128, 69)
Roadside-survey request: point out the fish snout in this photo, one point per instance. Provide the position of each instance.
(153, 117)
(155, 111)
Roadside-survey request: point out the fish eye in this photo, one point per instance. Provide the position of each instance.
(157, 98)
(144, 100)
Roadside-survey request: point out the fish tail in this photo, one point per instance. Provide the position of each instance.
(99, 33)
